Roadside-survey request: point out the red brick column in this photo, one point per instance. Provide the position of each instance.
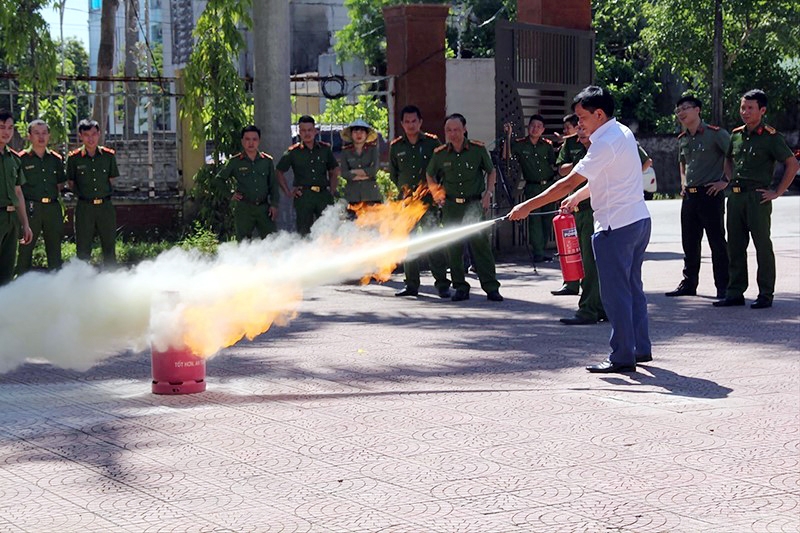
(415, 46)
(572, 14)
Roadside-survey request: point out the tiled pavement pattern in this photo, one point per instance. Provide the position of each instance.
(373, 414)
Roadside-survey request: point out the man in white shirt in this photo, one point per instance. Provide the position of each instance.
(621, 224)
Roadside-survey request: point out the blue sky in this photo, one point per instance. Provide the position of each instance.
(76, 20)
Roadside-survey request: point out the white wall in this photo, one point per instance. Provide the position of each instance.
(470, 91)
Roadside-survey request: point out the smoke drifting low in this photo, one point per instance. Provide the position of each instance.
(77, 317)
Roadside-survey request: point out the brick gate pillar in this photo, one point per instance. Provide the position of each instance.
(415, 50)
(572, 14)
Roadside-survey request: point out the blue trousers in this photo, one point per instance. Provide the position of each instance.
(619, 253)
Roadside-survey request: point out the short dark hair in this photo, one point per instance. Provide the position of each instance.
(38, 122)
(538, 117)
(593, 98)
(307, 119)
(87, 124)
(457, 116)
(758, 95)
(5, 114)
(691, 99)
(410, 110)
(251, 128)
(572, 118)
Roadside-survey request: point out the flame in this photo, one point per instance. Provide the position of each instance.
(394, 221)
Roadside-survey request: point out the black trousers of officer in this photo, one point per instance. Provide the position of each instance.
(701, 212)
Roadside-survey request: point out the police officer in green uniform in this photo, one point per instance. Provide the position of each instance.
(12, 201)
(255, 188)
(316, 175)
(359, 164)
(91, 170)
(44, 176)
(463, 195)
(536, 157)
(701, 156)
(409, 155)
(753, 152)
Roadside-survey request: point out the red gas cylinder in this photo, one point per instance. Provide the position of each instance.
(177, 371)
(569, 247)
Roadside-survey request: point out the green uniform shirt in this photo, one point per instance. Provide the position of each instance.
(310, 165)
(361, 190)
(571, 151)
(254, 179)
(42, 174)
(11, 175)
(754, 153)
(535, 160)
(462, 172)
(407, 162)
(703, 154)
(92, 175)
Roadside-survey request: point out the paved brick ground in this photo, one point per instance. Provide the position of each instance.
(368, 413)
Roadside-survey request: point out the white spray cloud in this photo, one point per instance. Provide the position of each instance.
(76, 317)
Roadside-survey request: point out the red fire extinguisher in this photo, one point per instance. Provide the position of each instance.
(569, 247)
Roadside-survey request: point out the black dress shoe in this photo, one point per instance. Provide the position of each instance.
(607, 367)
(721, 294)
(644, 358)
(577, 321)
(682, 290)
(407, 291)
(444, 293)
(730, 302)
(494, 296)
(762, 302)
(564, 291)
(460, 296)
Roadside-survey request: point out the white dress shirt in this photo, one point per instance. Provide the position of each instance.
(614, 172)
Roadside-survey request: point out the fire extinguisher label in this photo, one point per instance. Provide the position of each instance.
(570, 232)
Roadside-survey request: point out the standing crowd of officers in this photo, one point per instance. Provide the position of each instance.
(460, 176)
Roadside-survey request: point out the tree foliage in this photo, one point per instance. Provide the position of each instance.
(761, 46)
(471, 24)
(216, 103)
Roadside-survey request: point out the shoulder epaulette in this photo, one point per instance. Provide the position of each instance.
(21, 153)
(740, 128)
(520, 139)
(295, 146)
(264, 155)
(348, 147)
(371, 144)
(712, 127)
(440, 148)
(770, 129)
(477, 143)
(14, 152)
(76, 151)
(108, 150)
(323, 143)
(396, 140)
(681, 134)
(431, 135)
(548, 141)
(237, 154)
(565, 137)
(56, 155)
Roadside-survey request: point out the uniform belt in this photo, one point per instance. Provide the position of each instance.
(692, 190)
(10, 208)
(315, 188)
(740, 187)
(537, 182)
(464, 199)
(44, 200)
(96, 201)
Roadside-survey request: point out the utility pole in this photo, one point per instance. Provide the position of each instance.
(272, 60)
(151, 183)
(716, 76)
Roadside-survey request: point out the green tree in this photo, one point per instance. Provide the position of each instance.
(367, 108)
(215, 102)
(760, 47)
(471, 25)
